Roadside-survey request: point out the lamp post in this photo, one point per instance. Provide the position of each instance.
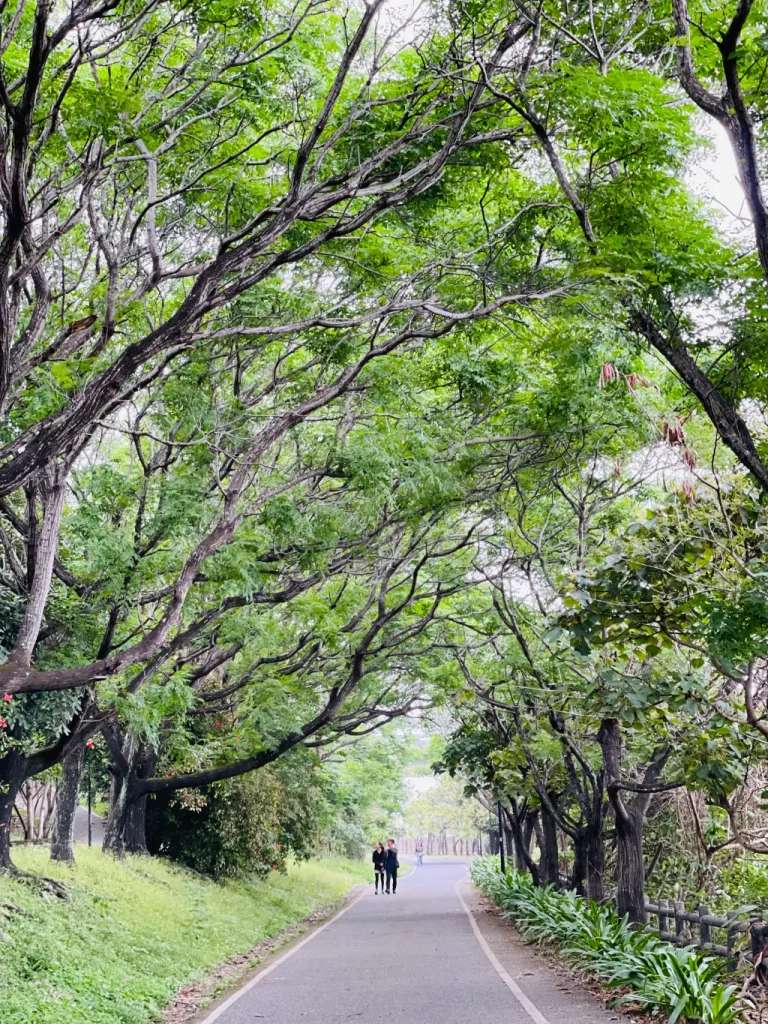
(502, 857)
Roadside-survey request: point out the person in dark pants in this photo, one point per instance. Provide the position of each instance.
(391, 864)
(379, 857)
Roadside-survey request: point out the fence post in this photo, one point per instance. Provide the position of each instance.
(679, 923)
(705, 934)
(731, 936)
(663, 916)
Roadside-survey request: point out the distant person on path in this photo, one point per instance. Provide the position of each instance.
(419, 852)
(391, 864)
(379, 858)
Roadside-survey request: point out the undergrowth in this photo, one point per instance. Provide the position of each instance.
(661, 978)
(133, 931)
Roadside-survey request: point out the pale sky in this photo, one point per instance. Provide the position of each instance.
(717, 179)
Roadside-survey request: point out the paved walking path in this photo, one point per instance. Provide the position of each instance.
(80, 831)
(413, 958)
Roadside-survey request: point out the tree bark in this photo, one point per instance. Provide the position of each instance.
(596, 864)
(589, 859)
(630, 869)
(135, 837)
(630, 817)
(579, 871)
(521, 829)
(135, 828)
(126, 823)
(118, 813)
(62, 844)
(13, 772)
(45, 545)
(518, 844)
(549, 862)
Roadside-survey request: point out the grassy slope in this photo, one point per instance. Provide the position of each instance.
(134, 931)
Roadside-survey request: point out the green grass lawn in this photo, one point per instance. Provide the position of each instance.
(134, 931)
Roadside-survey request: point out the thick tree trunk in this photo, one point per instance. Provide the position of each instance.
(596, 864)
(144, 766)
(518, 844)
(589, 860)
(62, 843)
(135, 830)
(521, 832)
(13, 772)
(6, 810)
(509, 844)
(630, 820)
(549, 862)
(126, 830)
(118, 813)
(579, 872)
(630, 869)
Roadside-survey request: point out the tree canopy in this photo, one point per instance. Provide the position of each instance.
(359, 362)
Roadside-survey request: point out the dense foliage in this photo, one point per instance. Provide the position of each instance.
(356, 363)
(246, 826)
(651, 973)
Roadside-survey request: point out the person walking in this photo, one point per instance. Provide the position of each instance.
(419, 852)
(379, 857)
(391, 864)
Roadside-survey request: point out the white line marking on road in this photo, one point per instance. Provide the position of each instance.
(236, 996)
(530, 1008)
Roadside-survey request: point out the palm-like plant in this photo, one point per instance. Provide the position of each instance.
(679, 982)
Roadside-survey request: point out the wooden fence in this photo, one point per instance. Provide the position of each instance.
(697, 927)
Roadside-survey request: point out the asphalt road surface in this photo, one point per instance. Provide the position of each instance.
(412, 958)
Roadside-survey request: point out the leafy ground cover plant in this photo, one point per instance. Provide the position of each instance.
(133, 931)
(659, 977)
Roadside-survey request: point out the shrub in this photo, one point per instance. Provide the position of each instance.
(241, 827)
(349, 839)
(679, 982)
(742, 883)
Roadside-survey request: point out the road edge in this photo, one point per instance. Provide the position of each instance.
(224, 1002)
(527, 1005)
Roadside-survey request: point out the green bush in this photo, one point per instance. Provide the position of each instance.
(349, 838)
(243, 827)
(662, 978)
(744, 884)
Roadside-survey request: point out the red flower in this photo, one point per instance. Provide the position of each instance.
(3, 723)
(673, 432)
(635, 381)
(608, 374)
(7, 697)
(90, 745)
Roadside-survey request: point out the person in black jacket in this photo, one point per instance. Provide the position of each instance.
(391, 864)
(379, 857)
